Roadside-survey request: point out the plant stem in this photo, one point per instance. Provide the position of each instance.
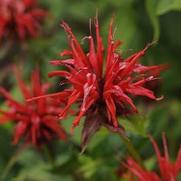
(133, 152)
(12, 162)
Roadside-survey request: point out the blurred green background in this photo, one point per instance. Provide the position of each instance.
(137, 22)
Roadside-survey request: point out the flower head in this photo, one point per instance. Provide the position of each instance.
(102, 82)
(37, 121)
(20, 18)
(168, 170)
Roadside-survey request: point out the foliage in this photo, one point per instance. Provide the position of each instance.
(137, 23)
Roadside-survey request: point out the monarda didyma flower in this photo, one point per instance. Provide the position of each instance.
(102, 82)
(20, 18)
(168, 170)
(36, 122)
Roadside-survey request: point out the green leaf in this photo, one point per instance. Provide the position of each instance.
(177, 5)
(137, 125)
(88, 166)
(38, 173)
(151, 10)
(164, 6)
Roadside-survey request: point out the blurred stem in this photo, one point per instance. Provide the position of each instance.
(132, 150)
(12, 162)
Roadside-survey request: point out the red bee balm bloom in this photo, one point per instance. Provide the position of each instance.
(103, 92)
(20, 17)
(37, 121)
(168, 171)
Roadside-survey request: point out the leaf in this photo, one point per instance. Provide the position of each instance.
(164, 6)
(151, 10)
(177, 5)
(137, 125)
(37, 173)
(62, 159)
(100, 136)
(34, 168)
(88, 166)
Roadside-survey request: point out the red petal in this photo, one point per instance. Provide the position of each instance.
(141, 91)
(76, 48)
(20, 130)
(100, 47)
(22, 86)
(61, 73)
(18, 106)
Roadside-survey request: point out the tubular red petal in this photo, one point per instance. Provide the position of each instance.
(141, 91)
(93, 58)
(165, 147)
(132, 60)
(72, 98)
(100, 47)
(111, 108)
(59, 73)
(77, 50)
(26, 93)
(178, 161)
(140, 173)
(66, 52)
(15, 103)
(20, 130)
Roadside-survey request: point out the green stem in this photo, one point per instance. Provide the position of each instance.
(133, 152)
(12, 162)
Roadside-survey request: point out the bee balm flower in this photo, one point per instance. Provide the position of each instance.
(168, 170)
(37, 121)
(102, 82)
(20, 18)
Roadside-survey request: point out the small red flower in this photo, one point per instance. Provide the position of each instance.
(20, 18)
(37, 121)
(102, 82)
(168, 170)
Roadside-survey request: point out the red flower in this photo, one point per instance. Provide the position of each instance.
(20, 18)
(36, 122)
(168, 170)
(103, 92)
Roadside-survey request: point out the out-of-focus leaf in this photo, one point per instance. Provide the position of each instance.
(34, 168)
(79, 8)
(164, 6)
(126, 27)
(38, 173)
(151, 10)
(62, 159)
(149, 163)
(137, 125)
(100, 136)
(177, 5)
(29, 157)
(88, 166)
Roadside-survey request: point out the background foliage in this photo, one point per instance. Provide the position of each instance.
(137, 22)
